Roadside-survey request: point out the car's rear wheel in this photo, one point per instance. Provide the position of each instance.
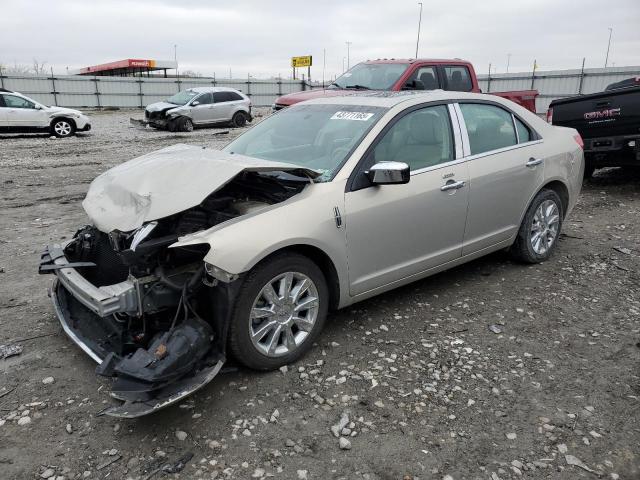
(185, 124)
(239, 119)
(540, 229)
(280, 311)
(63, 127)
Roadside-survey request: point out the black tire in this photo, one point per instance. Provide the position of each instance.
(63, 127)
(239, 119)
(185, 124)
(523, 249)
(240, 342)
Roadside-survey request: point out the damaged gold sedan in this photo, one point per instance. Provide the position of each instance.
(193, 252)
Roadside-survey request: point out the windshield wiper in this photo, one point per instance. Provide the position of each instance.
(357, 87)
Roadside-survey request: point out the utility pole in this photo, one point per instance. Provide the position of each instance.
(419, 24)
(348, 60)
(508, 61)
(606, 60)
(324, 64)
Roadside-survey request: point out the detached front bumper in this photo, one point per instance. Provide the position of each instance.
(94, 318)
(123, 297)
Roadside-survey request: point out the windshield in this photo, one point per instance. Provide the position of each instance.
(318, 137)
(182, 98)
(372, 76)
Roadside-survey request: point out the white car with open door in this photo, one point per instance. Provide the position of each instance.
(21, 114)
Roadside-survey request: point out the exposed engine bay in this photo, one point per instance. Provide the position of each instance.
(153, 316)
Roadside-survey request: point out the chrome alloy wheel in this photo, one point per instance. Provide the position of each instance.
(283, 314)
(544, 229)
(62, 128)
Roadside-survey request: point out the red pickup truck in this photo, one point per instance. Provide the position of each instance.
(407, 74)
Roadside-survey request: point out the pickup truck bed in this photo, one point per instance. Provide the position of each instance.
(609, 123)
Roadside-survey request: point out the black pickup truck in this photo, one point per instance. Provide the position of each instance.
(609, 123)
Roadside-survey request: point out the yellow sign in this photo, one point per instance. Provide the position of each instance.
(301, 61)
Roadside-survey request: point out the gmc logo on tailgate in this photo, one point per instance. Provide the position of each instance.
(611, 112)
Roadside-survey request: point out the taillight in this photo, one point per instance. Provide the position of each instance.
(550, 115)
(579, 140)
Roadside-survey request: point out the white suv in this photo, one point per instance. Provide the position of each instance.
(198, 107)
(21, 114)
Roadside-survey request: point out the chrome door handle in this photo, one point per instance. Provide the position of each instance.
(533, 162)
(452, 185)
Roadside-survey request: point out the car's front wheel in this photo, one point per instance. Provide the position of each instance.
(62, 128)
(279, 312)
(185, 124)
(540, 228)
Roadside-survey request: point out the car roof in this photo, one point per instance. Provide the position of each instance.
(388, 99)
(450, 61)
(213, 89)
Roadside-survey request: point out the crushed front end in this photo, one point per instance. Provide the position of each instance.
(138, 308)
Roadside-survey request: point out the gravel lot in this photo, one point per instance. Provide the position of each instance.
(416, 382)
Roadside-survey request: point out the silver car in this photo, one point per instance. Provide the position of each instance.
(200, 106)
(323, 204)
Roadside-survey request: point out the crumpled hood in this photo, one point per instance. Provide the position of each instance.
(166, 182)
(58, 110)
(161, 106)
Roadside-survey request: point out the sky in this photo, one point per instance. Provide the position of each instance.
(259, 37)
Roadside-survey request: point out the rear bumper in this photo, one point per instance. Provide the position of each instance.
(613, 151)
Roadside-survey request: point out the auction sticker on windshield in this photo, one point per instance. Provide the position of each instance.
(362, 116)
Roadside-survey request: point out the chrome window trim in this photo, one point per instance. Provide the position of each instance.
(467, 145)
(457, 135)
(473, 157)
(439, 166)
(515, 127)
(504, 149)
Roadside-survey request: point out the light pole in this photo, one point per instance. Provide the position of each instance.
(175, 57)
(348, 61)
(419, 24)
(606, 60)
(508, 61)
(343, 60)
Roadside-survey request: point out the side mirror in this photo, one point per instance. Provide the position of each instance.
(38, 107)
(389, 173)
(195, 103)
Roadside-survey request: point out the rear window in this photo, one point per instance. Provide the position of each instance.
(226, 97)
(489, 127)
(458, 78)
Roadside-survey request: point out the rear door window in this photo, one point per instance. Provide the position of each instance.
(489, 127)
(458, 78)
(233, 96)
(1, 101)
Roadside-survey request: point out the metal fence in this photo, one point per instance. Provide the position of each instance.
(557, 83)
(130, 92)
